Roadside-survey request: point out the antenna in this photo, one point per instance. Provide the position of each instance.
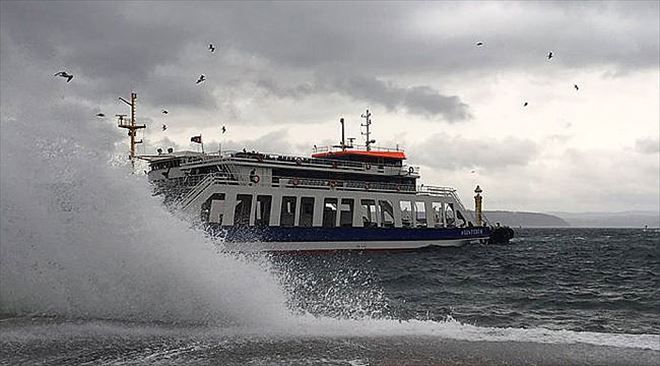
(130, 125)
(367, 123)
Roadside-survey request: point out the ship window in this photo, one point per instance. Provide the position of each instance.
(242, 210)
(346, 212)
(406, 213)
(449, 215)
(420, 214)
(369, 213)
(306, 211)
(262, 213)
(386, 213)
(330, 212)
(213, 209)
(437, 214)
(288, 213)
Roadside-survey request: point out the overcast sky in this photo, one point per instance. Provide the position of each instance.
(284, 73)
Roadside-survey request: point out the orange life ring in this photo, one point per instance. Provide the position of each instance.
(295, 181)
(255, 179)
(298, 160)
(332, 184)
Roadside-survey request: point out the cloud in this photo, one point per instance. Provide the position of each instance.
(647, 145)
(420, 100)
(160, 51)
(455, 152)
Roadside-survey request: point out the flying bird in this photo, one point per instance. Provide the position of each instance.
(525, 105)
(473, 171)
(165, 111)
(164, 127)
(211, 47)
(549, 55)
(64, 74)
(576, 87)
(201, 78)
(100, 115)
(479, 44)
(224, 129)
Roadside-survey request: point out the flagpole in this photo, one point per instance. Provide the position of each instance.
(201, 141)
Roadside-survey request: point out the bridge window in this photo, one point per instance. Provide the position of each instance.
(330, 212)
(406, 213)
(242, 210)
(386, 213)
(346, 212)
(420, 214)
(288, 213)
(369, 218)
(262, 213)
(306, 211)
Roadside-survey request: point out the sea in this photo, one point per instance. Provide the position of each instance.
(94, 270)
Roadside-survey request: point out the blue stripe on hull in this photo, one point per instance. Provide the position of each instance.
(248, 234)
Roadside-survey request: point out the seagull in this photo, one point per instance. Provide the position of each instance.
(224, 129)
(201, 78)
(211, 47)
(549, 55)
(64, 74)
(100, 115)
(525, 105)
(165, 111)
(576, 87)
(473, 171)
(479, 44)
(164, 127)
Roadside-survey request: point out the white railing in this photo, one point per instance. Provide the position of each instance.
(328, 148)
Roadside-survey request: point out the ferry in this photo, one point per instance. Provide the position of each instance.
(342, 197)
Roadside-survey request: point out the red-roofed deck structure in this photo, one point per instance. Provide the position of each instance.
(361, 155)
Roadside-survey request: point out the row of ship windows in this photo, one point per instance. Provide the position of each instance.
(335, 212)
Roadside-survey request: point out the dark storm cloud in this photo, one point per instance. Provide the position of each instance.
(384, 38)
(108, 50)
(419, 100)
(159, 48)
(455, 152)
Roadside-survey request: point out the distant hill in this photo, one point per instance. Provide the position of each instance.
(525, 219)
(612, 219)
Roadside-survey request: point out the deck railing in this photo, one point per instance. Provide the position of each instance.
(253, 156)
(328, 148)
(198, 183)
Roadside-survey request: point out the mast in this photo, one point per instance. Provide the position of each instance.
(367, 123)
(343, 135)
(130, 125)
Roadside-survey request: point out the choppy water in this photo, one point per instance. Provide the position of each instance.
(94, 270)
(596, 280)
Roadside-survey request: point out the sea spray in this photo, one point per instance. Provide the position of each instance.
(81, 238)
